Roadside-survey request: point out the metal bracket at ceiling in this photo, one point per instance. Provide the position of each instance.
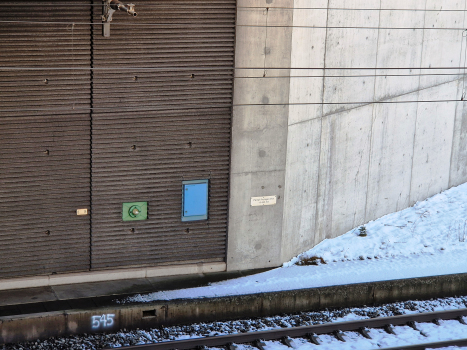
(108, 9)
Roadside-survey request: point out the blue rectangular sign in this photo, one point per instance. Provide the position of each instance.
(195, 200)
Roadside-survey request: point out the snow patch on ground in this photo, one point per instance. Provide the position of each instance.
(435, 226)
(428, 239)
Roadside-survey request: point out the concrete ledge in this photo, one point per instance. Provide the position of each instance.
(110, 275)
(184, 311)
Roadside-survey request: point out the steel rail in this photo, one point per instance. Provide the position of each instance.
(437, 345)
(306, 331)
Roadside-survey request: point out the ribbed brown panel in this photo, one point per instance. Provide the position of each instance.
(161, 115)
(44, 137)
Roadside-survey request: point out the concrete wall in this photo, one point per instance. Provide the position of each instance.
(338, 150)
(259, 132)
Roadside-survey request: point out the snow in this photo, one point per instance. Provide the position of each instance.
(448, 330)
(427, 239)
(123, 337)
(404, 335)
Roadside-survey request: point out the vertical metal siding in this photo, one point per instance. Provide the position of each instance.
(161, 115)
(44, 137)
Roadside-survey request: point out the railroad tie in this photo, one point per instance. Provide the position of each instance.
(339, 335)
(231, 346)
(288, 341)
(260, 344)
(313, 338)
(412, 325)
(363, 331)
(388, 328)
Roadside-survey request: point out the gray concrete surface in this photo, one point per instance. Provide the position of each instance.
(109, 277)
(345, 146)
(259, 133)
(42, 325)
(338, 148)
(28, 296)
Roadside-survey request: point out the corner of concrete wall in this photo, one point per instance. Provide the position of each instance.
(458, 172)
(259, 132)
(340, 147)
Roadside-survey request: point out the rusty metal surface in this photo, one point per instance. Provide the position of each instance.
(45, 139)
(157, 120)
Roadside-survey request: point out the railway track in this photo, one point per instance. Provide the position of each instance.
(312, 333)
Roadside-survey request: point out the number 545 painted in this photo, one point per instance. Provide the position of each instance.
(104, 321)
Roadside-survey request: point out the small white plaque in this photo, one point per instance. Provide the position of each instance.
(81, 212)
(260, 201)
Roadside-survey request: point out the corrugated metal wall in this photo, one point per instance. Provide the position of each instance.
(118, 119)
(159, 119)
(44, 138)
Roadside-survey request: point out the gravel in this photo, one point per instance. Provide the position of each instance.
(139, 336)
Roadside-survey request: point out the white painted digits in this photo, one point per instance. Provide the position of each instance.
(104, 321)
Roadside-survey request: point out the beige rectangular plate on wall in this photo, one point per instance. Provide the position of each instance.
(265, 200)
(81, 212)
